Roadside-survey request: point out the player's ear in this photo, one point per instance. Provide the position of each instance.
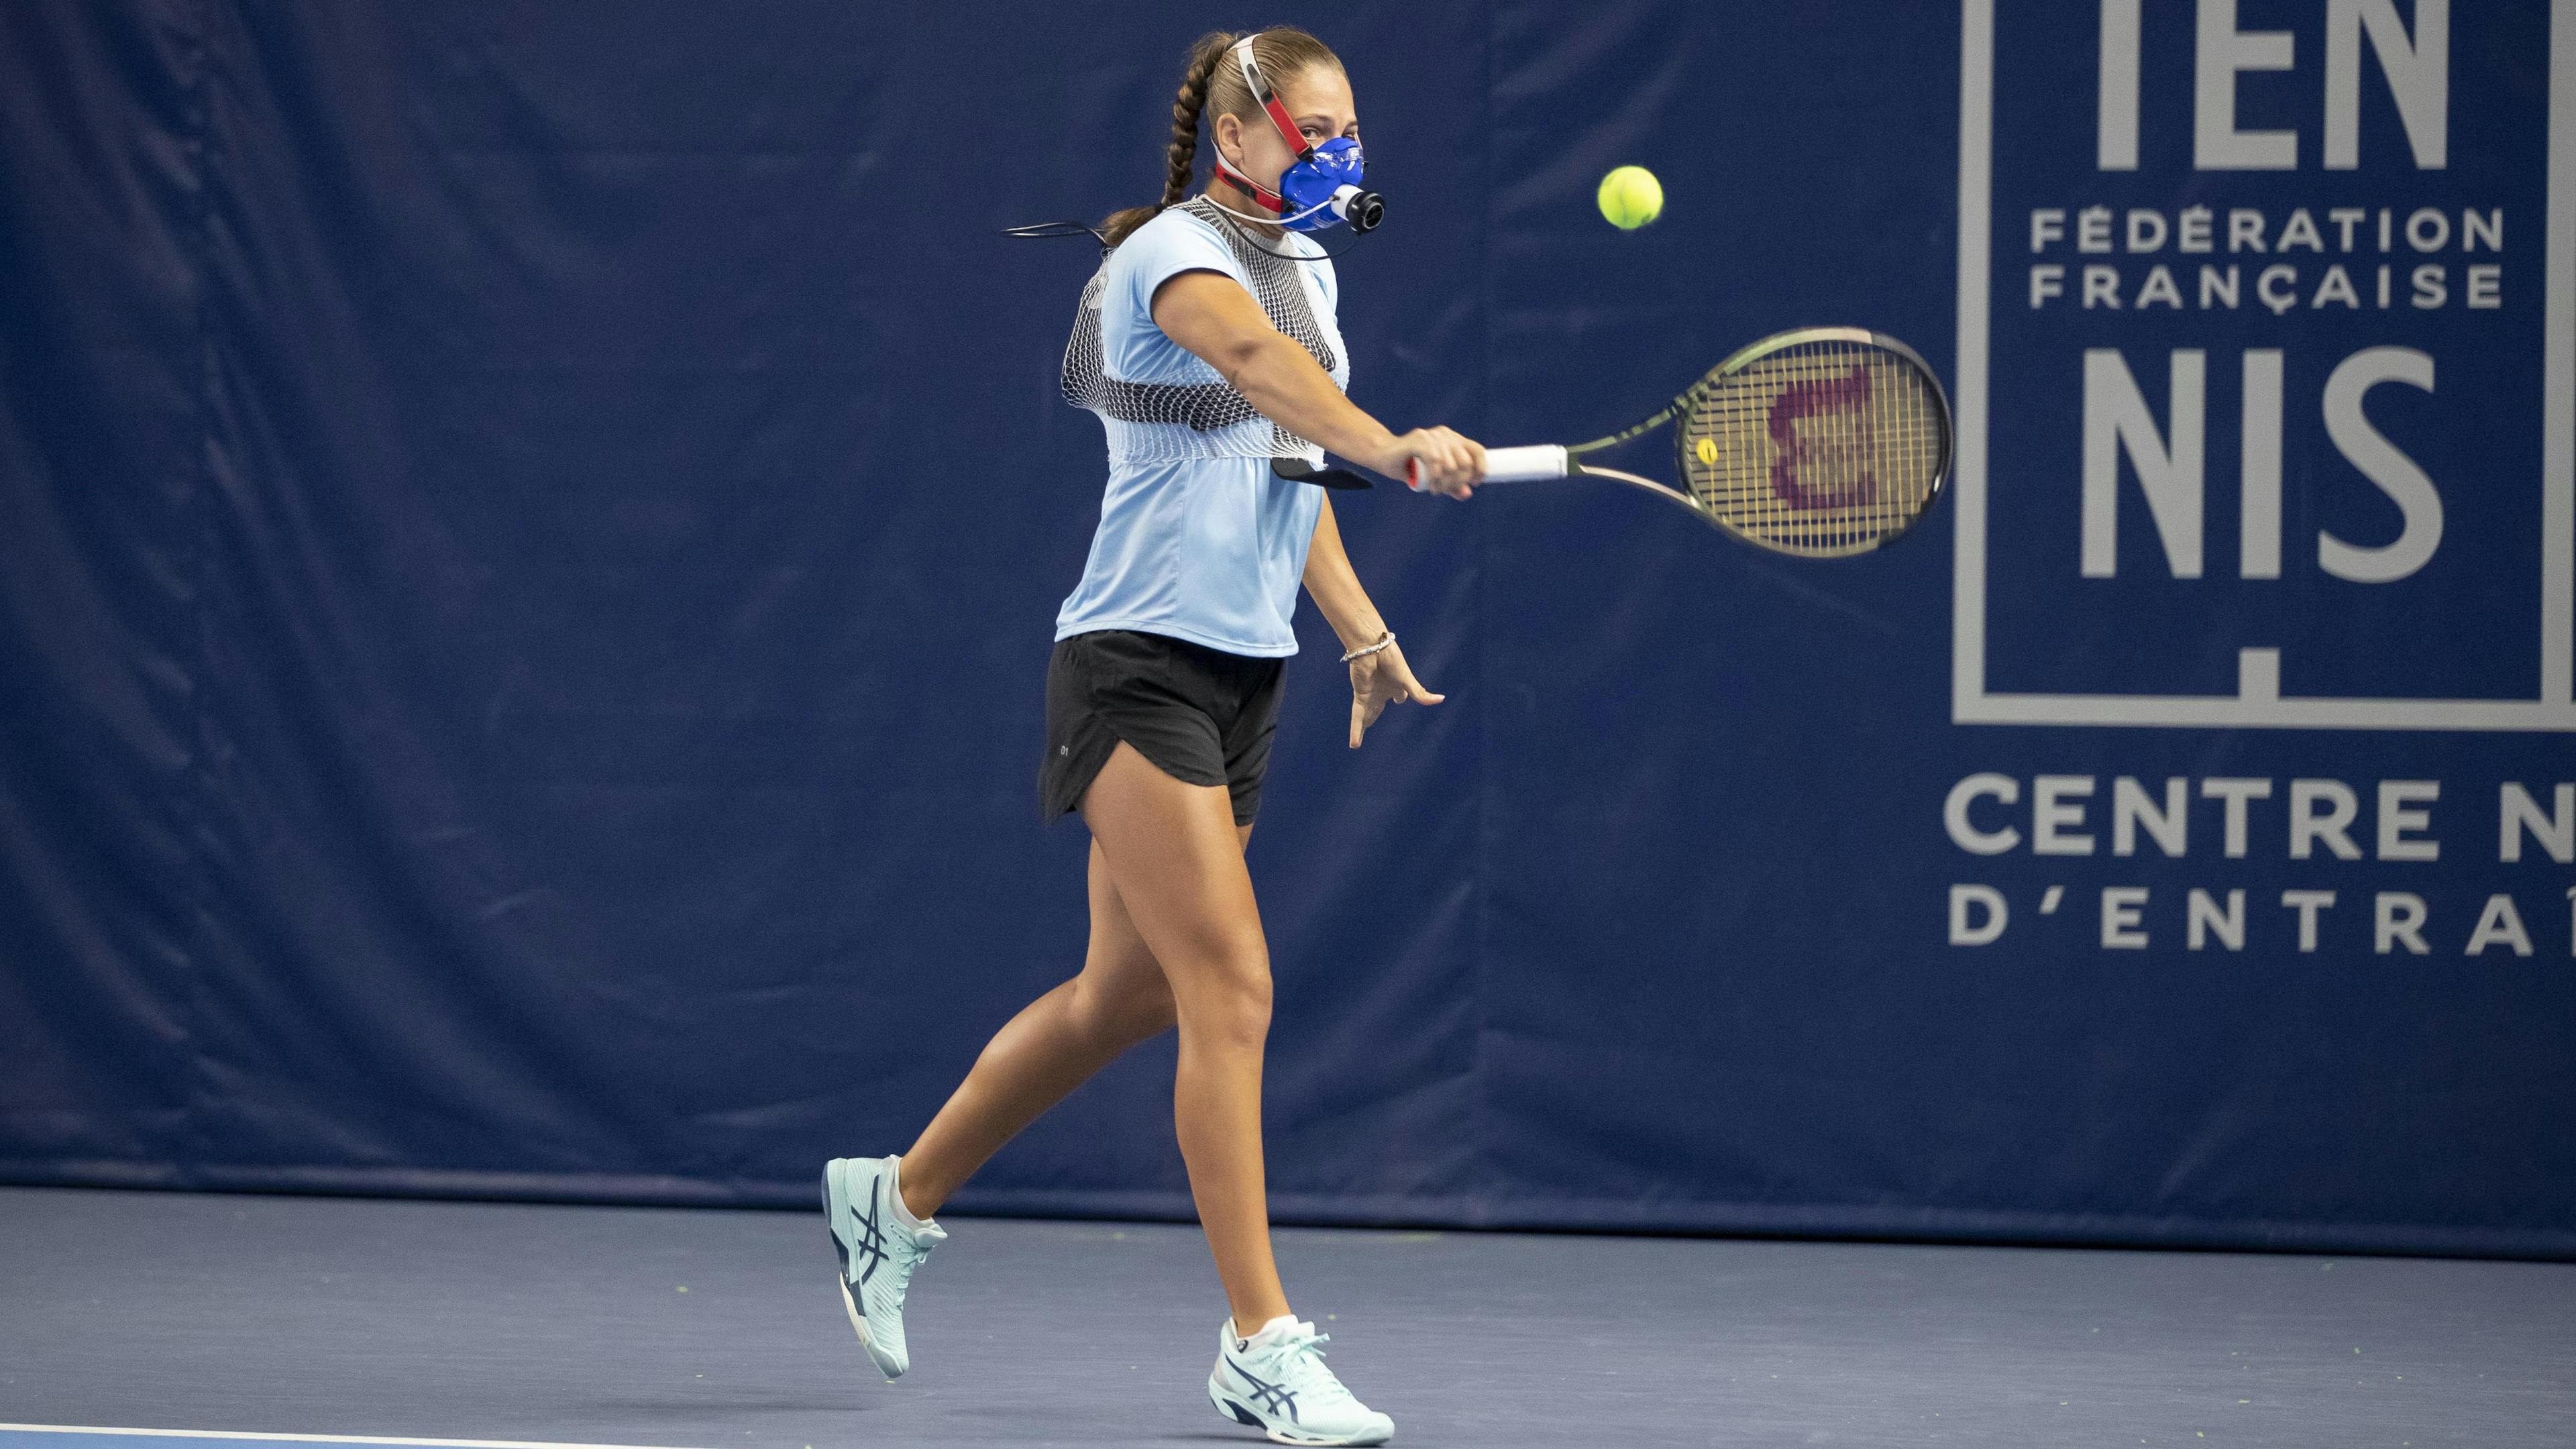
(1226, 131)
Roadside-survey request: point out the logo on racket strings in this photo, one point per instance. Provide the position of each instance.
(1827, 463)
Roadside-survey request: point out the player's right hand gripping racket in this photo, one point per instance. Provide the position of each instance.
(1821, 442)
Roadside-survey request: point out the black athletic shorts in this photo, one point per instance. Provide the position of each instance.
(1201, 715)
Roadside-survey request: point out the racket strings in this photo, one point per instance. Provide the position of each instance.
(1821, 448)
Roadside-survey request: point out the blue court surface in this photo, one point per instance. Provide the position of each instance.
(268, 1318)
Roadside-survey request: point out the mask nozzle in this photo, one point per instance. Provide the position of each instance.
(1362, 209)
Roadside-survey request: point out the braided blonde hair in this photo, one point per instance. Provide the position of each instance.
(1211, 86)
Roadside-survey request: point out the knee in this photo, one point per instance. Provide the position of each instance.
(1231, 1012)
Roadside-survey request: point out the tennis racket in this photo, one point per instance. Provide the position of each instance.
(1821, 442)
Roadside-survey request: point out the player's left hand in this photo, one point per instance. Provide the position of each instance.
(1381, 679)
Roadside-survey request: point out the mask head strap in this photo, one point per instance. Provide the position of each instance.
(1262, 196)
(1269, 99)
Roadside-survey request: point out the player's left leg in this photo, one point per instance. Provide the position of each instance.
(1054, 1045)
(880, 1209)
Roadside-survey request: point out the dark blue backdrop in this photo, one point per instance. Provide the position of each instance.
(529, 535)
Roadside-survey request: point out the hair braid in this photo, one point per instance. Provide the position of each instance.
(1180, 158)
(1188, 110)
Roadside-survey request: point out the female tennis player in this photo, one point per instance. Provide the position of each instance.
(1207, 343)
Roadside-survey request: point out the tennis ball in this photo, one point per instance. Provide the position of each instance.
(1631, 197)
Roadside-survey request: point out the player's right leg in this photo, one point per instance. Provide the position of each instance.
(1176, 856)
(1177, 862)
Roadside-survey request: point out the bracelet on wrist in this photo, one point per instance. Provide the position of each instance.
(1366, 650)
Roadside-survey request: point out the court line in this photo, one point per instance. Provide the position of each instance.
(314, 1438)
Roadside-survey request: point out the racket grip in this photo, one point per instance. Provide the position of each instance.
(1522, 465)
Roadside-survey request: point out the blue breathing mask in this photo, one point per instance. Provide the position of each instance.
(1322, 189)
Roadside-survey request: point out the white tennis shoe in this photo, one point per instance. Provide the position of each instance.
(880, 1243)
(1275, 1381)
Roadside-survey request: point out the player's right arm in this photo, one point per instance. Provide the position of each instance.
(1212, 316)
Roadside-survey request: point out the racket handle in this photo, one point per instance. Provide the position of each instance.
(1510, 465)
(1522, 465)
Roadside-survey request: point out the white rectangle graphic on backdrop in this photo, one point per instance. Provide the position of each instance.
(2267, 366)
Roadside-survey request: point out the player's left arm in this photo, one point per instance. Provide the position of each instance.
(1378, 679)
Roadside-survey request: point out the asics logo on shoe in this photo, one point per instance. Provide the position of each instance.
(872, 1242)
(1267, 1397)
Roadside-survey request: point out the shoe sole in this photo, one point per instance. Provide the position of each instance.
(849, 1301)
(1237, 1413)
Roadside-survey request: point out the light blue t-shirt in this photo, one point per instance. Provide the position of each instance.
(1206, 549)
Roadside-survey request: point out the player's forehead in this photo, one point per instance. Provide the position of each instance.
(1320, 93)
